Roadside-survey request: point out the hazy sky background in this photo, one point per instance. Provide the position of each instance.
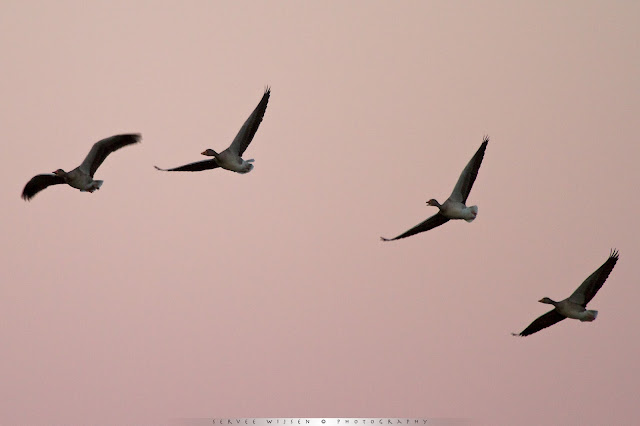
(215, 294)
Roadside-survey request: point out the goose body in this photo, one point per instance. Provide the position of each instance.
(231, 161)
(455, 206)
(572, 310)
(79, 179)
(456, 210)
(574, 306)
(231, 158)
(82, 176)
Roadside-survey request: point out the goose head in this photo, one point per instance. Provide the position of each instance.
(547, 301)
(60, 173)
(210, 153)
(433, 202)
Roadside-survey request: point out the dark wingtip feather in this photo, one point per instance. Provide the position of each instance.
(265, 98)
(134, 137)
(126, 139)
(25, 195)
(27, 192)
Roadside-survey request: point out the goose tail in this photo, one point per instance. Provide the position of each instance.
(473, 212)
(589, 315)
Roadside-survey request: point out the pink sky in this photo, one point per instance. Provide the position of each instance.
(215, 294)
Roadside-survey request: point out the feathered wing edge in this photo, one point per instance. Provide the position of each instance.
(193, 167)
(38, 183)
(250, 126)
(542, 322)
(101, 149)
(468, 176)
(589, 287)
(432, 222)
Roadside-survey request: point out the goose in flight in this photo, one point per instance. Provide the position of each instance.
(454, 207)
(82, 176)
(574, 306)
(231, 158)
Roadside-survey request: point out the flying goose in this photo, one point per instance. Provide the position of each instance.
(231, 158)
(575, 305)
(82, 176)
(454, 207)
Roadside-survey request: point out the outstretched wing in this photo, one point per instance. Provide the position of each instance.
(38, 183)
(101, 149)
(193, 167)
(469, 174)
(434, 221)
(544, 321)
(250, 127)
(594, 282)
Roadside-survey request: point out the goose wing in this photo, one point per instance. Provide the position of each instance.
(594, 282)
(469, 174)
(543, 321)
(432, 222)
(38, 183)
(101, 149)
(193, 167)
(250, 127)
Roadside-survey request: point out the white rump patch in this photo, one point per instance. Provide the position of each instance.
(472, 212)
(588, 315)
